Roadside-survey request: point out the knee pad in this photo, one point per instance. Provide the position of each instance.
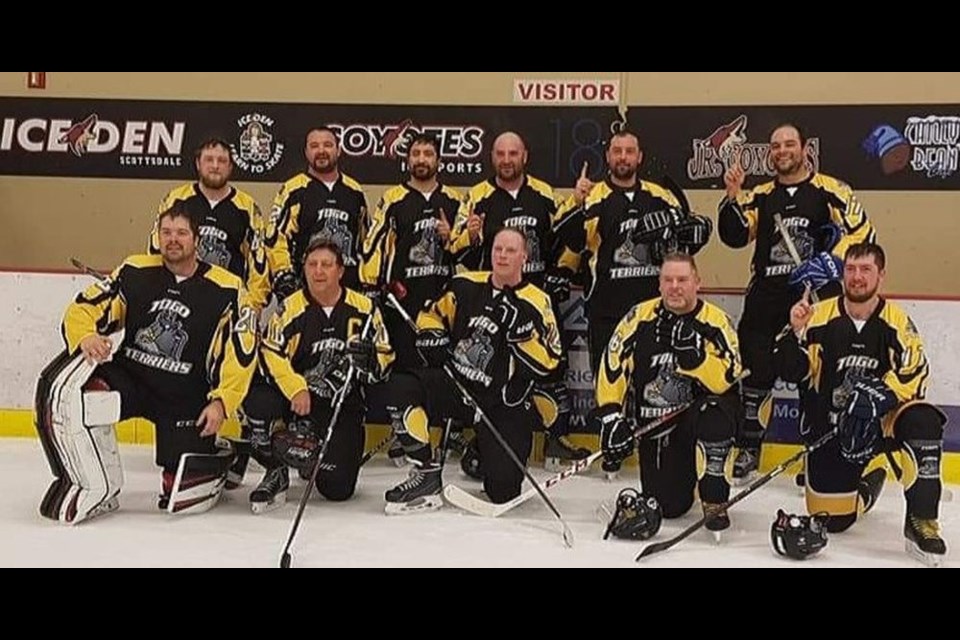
(919, 421)
(412, 426)
(714, 458)
(757, 405)
(919, 429)
(77, 427)
(200, 480)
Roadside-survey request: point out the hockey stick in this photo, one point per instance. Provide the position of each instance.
(791, 248)
(657, 547)
(338, 405)
(82, 268)
(377, 448)
(469, 399)
(468, 502)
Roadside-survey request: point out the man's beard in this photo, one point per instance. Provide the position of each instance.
(213, 182)
(861, 297)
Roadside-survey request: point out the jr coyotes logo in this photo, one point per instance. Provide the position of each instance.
(79, 135)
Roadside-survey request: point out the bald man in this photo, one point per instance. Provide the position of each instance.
(511, 198)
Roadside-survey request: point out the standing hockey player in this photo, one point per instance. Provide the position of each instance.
(322, 203)
(862, 371)
(823, 218)
(231, 226)
(668, 353)
(185, 363)
(513, 198)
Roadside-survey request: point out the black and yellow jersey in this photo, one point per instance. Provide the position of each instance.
(183, 338)
(813, 211)
(832, 352)
(622, 272)
(403, 245)
(231, 235)
(480, 352)
(532, 210)
(307, 208)
(303, 342)
(635, 364)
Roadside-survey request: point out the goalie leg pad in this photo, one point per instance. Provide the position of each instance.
(91, 472)
(200, 481)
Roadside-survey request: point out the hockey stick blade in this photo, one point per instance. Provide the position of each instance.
(657, 547)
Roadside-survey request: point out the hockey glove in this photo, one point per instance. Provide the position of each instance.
(285, 284)
(818, 271)
(434, 347)
(616, 434)
(860, 431)
(680, 335)
(657, 225)
(693, 233)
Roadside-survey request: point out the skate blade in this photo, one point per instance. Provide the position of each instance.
(933, 560)
(417, 505)
(278, 501)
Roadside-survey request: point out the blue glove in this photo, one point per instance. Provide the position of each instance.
(860, 431)
(819, 270)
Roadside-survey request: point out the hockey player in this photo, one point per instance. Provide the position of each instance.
(321, 202)
(304, 356)
(185, 363)
(231, 226)
(497, 334)
(408, 241)
(665, 354)
(513, 198)
(622, 227)
(823, 218)
(862, 370)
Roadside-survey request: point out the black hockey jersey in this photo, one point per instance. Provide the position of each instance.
(808, 210)
(302, 344)
(635, 364)
(305, 209)
(183, 340)
(403, 244)
(231, 235)
(532, 211)
(832, 352)
(481, 354)
(622, 272)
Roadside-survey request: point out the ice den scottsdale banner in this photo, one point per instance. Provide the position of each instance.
(156, 139)
(881, 147)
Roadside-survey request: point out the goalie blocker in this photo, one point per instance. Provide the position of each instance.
(77, 410)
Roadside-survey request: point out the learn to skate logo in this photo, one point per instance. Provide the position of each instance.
(713, 154)
(137, 142)
(258, 151)
(460, 145)
(928, 144)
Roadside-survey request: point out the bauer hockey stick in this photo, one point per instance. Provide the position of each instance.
(657, 547)
(468, 398)
(338, 405)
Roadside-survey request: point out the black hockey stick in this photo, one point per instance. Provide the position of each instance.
(469, 399)
(82, 268)
(657, 547)
(377, 448)
(338, 405)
